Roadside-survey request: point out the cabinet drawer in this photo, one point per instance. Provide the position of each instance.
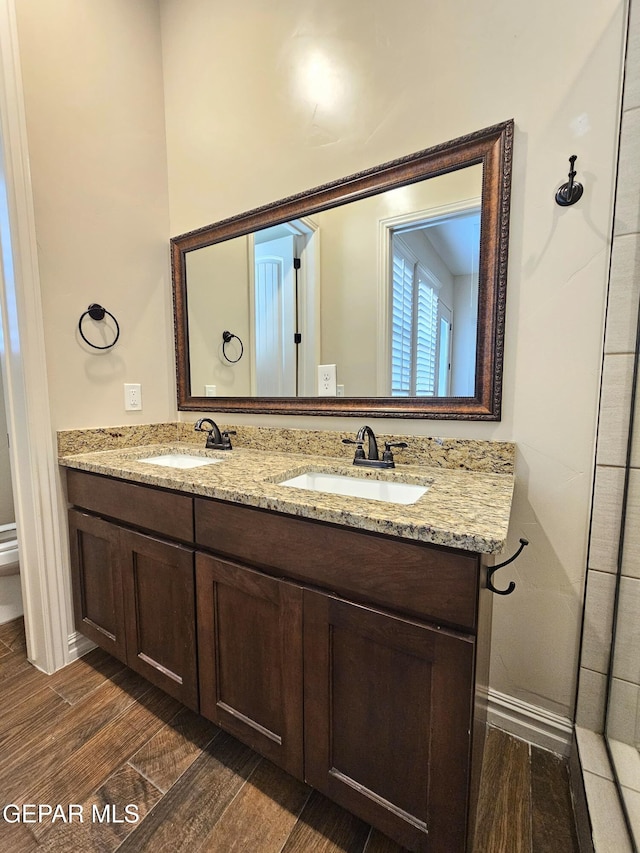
(423, 580)
(141, 506)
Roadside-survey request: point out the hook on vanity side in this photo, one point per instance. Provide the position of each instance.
(490, 572)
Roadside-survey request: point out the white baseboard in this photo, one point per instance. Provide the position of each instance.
(530, 722)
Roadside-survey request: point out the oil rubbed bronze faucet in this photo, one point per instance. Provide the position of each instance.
(216, 440)
(372, 460)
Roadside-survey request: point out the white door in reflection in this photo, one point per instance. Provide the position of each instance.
(274, 318)
(284, 304)
(444, 350)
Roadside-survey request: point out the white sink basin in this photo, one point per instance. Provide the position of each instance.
(357, 487)
(179, 460)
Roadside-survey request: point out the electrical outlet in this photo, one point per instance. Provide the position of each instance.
(210, 391)
(132, 397)
(327, 380)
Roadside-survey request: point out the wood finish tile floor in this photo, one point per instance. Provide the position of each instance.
(98, 738)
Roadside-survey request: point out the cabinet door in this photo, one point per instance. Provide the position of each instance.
(97, 582)
(387, 720)
(159, 600)
(250, 658)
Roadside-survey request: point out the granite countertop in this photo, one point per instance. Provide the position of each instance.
(461, 509)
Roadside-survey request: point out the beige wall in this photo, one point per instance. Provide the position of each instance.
(291, 95)
(92, 79)
(277, 98)
(214, 309)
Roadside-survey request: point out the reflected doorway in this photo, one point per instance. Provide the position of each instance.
(434, 274)
(283, 298)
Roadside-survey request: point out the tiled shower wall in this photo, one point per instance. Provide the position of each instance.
(620, 342)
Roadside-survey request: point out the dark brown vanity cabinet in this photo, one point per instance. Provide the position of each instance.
(134, 594)
(395, 640)
(355, 661)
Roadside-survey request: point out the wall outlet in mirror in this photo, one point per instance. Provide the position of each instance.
(327, 381)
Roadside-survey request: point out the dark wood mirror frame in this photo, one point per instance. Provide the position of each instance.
(490, 147)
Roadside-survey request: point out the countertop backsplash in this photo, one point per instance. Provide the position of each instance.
(495, 457)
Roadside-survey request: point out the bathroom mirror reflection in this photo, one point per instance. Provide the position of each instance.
(396, 276)
(408, 283)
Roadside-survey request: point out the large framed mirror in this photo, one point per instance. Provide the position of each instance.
(379, 295)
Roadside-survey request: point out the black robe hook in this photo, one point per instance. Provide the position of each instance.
(490, 572)
(571, 192)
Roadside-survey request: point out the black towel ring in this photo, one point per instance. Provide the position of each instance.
(97, 312)
(226, 337)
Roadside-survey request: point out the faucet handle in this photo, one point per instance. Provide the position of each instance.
(387, 455)
(359, 448)
(225, 437)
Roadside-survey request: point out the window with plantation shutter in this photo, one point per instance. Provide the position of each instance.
(402, 325)
(414, 318)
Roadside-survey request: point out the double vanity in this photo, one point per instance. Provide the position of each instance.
(335, 618)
